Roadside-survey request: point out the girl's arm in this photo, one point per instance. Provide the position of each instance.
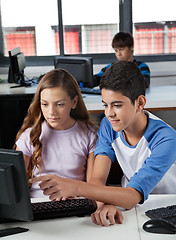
(26, 159)
(90, 164)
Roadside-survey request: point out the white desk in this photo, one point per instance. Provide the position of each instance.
(159, 98)
(75, 228)
(154, 201)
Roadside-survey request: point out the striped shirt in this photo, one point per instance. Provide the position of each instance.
(141, 65)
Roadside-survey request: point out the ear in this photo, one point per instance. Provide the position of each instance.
(132, 49)
(140, 103)
(74, 102)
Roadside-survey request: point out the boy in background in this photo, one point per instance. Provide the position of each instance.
(123, 45)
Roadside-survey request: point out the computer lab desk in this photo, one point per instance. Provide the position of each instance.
(82, 228)
(159, 98)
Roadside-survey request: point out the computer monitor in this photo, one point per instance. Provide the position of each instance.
(80, 67)
(16, 68)
(14, 191)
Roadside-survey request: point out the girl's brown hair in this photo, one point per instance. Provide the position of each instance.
(54, 78)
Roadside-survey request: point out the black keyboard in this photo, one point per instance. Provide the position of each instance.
(168, 213)
(68, 208)
(90, 90)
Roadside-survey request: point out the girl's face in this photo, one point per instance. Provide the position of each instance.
(56, 105)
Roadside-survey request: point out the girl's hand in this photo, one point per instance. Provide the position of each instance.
(55, 187)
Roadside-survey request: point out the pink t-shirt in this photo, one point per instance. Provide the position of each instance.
(64, 152)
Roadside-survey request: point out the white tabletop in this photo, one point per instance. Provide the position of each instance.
(154, 201)
(158, 97)
(75, 228)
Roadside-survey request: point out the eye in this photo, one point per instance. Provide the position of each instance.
(118, 105)
(105, 105)
(60, 104)
(43, 104)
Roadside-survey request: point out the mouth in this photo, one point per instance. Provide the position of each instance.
(53, 119)
(114, 121)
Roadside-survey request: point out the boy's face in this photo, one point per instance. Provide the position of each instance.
(119, 110)
(124, 53)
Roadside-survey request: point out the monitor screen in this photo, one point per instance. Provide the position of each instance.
(80, 67)
(14, 191)
(16, 68)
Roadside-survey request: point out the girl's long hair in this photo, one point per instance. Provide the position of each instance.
(34, 118)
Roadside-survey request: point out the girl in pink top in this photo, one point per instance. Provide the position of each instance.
(57, 136)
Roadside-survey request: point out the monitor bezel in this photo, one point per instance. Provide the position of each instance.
(16, 68)
(72, 64)
(18, 206)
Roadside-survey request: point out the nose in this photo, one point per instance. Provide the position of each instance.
(109, 112)
(118, 53)
(52, 110)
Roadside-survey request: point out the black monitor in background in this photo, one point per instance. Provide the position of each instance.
(14, 191)
(16, 68)
(80, 67)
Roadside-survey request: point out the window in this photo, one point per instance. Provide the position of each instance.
(33, 26)
(154, 29)
(97, 21)
(72, 36)
(88, 27)
(28, 25)
(23, 37)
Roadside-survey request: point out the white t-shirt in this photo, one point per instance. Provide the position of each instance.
(64, 152)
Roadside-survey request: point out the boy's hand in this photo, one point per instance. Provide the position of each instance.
(107, 215)
(55, 187)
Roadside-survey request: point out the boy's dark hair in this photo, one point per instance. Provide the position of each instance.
(124, 77)
(123, 39)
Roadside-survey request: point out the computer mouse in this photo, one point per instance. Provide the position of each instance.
(159, 225)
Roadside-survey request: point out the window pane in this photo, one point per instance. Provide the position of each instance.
(29, 25)
(154, 26)
(89, 26)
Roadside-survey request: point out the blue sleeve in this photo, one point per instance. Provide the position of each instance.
(105, 140)
(163, 155)
(103, 70)
(145, 71)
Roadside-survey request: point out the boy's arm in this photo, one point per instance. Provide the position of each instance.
(101, 170)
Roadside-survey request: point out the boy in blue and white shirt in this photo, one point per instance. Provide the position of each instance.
(144, 146)
(145, 163)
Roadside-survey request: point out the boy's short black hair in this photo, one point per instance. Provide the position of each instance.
(124, 77)
(123, 39)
